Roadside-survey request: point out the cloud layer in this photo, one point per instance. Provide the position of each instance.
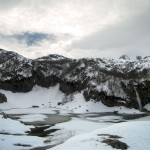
(131, 35)
(75, 28)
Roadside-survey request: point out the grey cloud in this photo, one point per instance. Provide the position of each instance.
(8, 4)
(29, 38)
(35, 38)
(129, 32)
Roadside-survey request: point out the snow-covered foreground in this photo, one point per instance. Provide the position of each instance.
(83, 131)
(136, 134)
(13, 132)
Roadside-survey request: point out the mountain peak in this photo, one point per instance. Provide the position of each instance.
(124, 57)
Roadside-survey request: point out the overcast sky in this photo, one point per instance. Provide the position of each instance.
(75, 28)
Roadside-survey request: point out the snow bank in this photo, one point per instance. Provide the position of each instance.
(135, 134)
(12, 126)
(38, 96)
(7, 142)
(9, 126)
(147, 107)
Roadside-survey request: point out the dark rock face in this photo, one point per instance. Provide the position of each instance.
(116, 144)
(17, 85)
(143, 89)
(3, 98)
(113, 82)
(107, 100)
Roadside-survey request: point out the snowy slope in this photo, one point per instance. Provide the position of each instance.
(48, 98)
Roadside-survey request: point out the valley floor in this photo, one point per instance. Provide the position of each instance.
(35, 120)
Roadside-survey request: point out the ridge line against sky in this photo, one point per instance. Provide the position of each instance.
(75, 28)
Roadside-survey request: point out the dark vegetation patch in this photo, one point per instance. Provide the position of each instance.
(6, 133)
(41, 131)
(23, 145)
(35, 106)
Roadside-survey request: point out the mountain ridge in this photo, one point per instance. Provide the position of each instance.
(113, 82)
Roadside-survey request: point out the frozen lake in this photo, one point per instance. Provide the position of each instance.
(55, 126)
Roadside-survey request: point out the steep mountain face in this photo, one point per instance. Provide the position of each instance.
(15, 72)
(113, 82)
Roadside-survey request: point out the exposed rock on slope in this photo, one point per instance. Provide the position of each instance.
(3, 98)
(113, 82)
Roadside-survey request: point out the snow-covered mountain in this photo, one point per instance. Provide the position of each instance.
(121, 82)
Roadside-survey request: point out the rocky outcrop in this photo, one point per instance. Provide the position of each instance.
(107, 100)
(3, 98)
(117, 144)
(121, 82)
